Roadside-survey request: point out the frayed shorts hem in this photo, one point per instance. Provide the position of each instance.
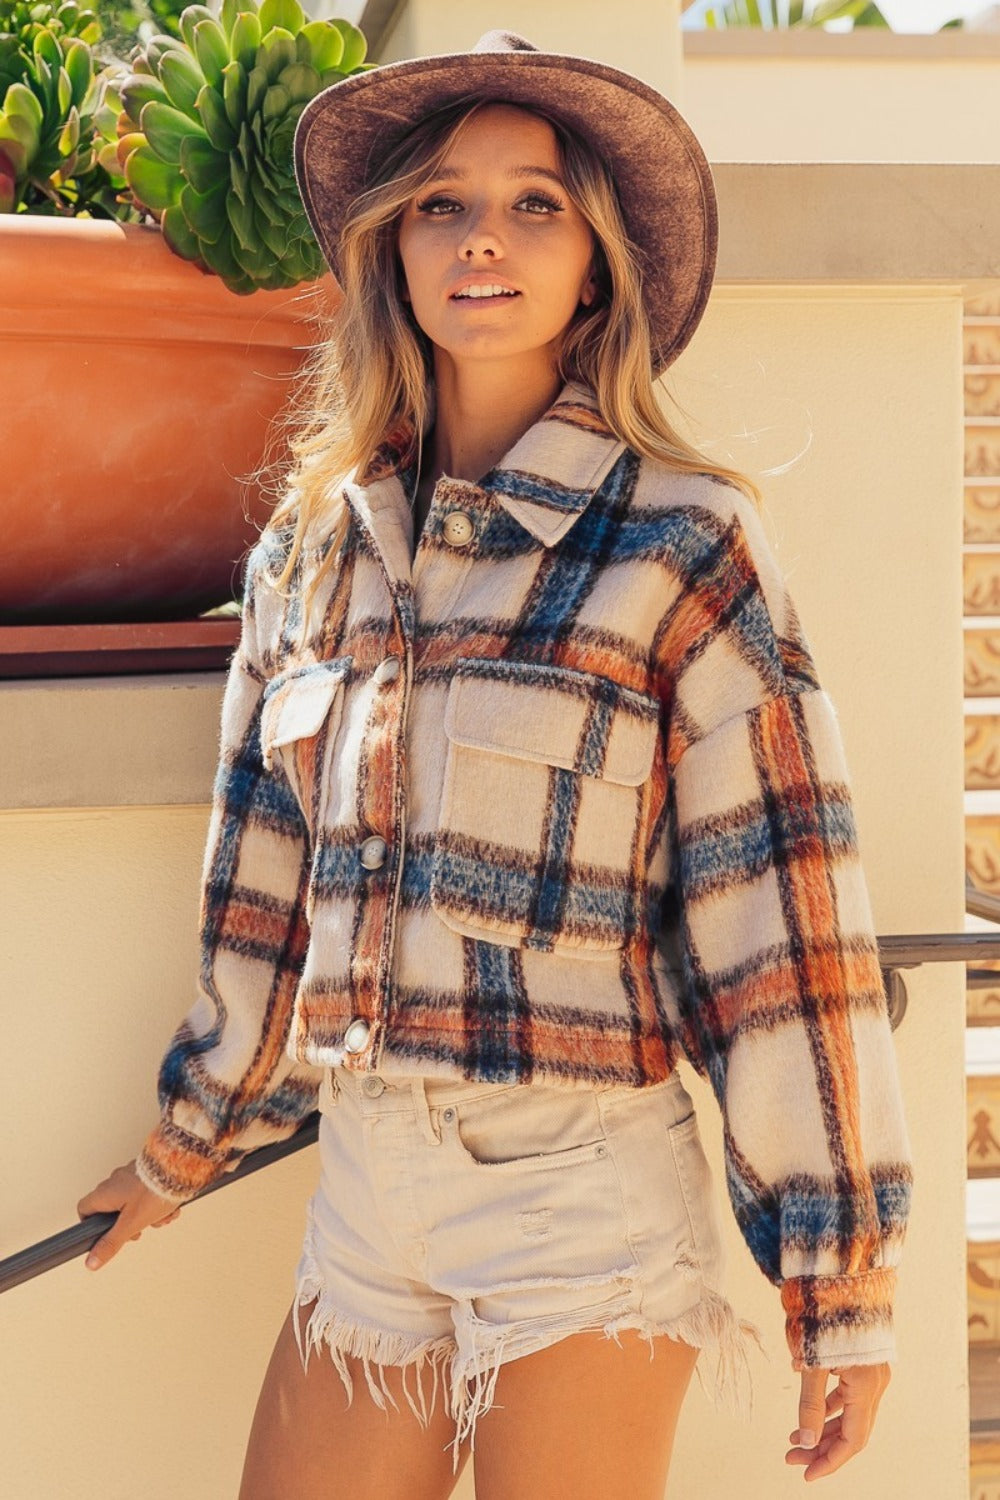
(467, 1384)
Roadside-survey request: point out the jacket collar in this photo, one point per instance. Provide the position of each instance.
(545, 481)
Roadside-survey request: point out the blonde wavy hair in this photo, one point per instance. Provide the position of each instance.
(371, 373)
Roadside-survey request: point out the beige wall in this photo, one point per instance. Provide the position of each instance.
(640, 35)
(886, 98)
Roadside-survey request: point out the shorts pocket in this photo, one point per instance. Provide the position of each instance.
(300, 716)
(539, 842)
(697, 1187)
(530, 1131)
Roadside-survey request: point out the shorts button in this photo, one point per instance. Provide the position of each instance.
(373, 1087)
(357, 1034)
(457, 528)
(387, 670)
(449, 1115)
(373, 852)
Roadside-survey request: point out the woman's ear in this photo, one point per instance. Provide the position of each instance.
(589, 291)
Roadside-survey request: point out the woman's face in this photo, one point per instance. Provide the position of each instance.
(496, 257)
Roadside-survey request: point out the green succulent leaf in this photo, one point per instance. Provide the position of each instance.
(153, 181)
(355, 45)
(211, 49)
(205, 213)
(245, 39)
(218, 255)
(276, 102)
(190, 17)
(179, 235)
(182, 78)
(21, 101)
(212, 113)
(202, 165)
(287, 14)
(165, 128)
(79, 70)
(301, 81)
(69, 137)
(234, 93)
(228, 13)
(138, 91)
(326, 45)
(241, 218)
(277, 52)
(256, 89)
(47, 49)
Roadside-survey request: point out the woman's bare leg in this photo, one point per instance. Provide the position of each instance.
(584, 1419)
(306, 1443)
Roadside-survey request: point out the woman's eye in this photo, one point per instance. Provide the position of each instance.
(538, 203)
(437, 205)
(541, 203)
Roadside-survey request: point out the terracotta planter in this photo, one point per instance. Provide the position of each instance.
(137, 391)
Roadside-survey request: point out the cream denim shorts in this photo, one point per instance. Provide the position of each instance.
(457, 1226)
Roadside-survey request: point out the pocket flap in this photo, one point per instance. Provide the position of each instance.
(297, 702)
(558, 715)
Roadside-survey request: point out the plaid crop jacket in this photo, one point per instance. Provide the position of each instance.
(559, 799)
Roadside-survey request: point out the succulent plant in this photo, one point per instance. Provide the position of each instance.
(207, 131)
(50, 97)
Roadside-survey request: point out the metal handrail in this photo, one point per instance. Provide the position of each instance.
(79, 1238)
(896, 951)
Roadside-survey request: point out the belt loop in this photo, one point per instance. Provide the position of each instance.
(332, 1085)
(423, 1112)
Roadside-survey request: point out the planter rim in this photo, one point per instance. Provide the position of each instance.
(95, 258)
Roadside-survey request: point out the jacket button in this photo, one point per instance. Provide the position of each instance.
(357, 1034)
(387, 670)
(373, 852)
(457, 528)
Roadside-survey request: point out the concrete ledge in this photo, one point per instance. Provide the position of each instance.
(858, 224)
(865, 44)
(128, 741)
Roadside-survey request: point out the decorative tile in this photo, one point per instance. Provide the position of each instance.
(982, 450)
(982, 1101)
(987, 305)
(982, 851)
(982, 512)
(984, 1469)
(982, 395)
(982, 663)
(982, 1006)
(982, 752)
(981, 343)
(981, 582)
(983, 1265)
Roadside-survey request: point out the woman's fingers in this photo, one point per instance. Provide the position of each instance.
(857, 1395)
(137, 1208)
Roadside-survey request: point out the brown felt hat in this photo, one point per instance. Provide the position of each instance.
(661, 173)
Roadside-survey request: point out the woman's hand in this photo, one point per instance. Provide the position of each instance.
(127, 1195)
(841, 1422)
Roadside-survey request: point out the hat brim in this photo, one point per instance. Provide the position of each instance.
(663, 178)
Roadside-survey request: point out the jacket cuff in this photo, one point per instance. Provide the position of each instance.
(177, 1165)
(840, 1320)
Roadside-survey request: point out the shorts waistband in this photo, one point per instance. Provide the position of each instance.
(382, 1094)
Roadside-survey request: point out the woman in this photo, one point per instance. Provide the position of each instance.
(527, 787)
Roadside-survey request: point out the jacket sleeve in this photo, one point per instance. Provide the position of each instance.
(768, 919)
(226, 1085)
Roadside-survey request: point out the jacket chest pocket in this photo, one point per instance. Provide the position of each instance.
(538, 843)
(300, 716)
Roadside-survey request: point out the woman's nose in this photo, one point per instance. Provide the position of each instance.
(480, 237)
